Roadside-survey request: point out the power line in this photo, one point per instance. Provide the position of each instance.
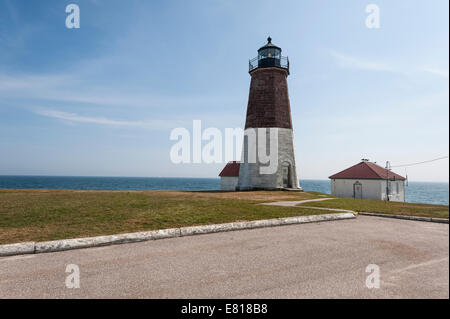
(429, 161)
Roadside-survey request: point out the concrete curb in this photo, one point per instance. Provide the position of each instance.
(17, 249)
(416, 218)
(77, 243)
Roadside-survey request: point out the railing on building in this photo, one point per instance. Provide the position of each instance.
(264, 62)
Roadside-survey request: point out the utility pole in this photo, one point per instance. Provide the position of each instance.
(388, 168)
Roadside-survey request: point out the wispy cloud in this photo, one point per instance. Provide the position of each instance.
(32, 83)
(73, 117)
(437, 71)
(358, 63)
(70, 89)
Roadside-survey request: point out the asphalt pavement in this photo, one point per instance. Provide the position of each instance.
(317, 260)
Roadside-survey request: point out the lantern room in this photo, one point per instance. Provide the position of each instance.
(269, 55)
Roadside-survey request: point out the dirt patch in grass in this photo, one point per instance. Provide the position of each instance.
(262, 196)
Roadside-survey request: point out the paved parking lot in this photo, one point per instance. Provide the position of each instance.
(319, 260)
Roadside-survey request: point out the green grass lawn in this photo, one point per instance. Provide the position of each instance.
(377, 206)
(40, 215)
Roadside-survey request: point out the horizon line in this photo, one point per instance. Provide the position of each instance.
(123, 176)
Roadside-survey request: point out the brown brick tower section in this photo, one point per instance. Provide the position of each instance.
(268, 102)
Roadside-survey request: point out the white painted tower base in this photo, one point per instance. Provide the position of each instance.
(276, 175)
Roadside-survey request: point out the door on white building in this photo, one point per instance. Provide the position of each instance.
(357, 190)
(285, 173)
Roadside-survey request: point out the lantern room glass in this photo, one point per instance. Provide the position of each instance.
(269, 53)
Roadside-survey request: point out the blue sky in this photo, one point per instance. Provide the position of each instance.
(101, 100)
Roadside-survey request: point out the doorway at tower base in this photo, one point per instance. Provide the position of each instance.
(268, 160)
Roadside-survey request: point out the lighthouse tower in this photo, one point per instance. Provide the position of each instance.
(268, 126)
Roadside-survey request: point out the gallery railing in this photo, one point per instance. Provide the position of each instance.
(264, 62)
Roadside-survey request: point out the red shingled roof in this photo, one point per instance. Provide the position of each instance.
(366, 170)
(230, 170)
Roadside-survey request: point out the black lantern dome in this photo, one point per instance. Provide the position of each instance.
(269, 55)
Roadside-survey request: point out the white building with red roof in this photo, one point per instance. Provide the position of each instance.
(229, 176)
(367, 180)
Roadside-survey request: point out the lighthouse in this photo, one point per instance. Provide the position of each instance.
(268, 157)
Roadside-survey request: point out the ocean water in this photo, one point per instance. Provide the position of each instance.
(416, 192)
